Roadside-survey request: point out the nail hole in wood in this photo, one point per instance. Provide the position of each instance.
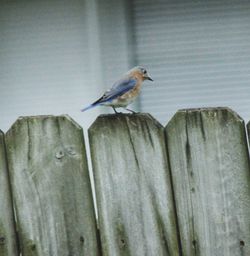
(82, 239)
(2, 240)
(242, 243)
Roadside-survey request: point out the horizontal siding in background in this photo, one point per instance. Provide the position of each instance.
(198, 53)
(58, 56)
(47, 60)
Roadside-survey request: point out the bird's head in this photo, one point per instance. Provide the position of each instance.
(141, 72)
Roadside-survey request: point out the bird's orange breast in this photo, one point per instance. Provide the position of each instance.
(132, 93)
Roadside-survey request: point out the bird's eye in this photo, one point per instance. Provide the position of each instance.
(144, 71)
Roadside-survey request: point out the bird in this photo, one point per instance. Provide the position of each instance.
(124, 91)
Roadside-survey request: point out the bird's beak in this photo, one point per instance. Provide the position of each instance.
(147, 77)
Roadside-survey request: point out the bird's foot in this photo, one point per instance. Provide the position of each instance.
(116, 112)
(130, 110)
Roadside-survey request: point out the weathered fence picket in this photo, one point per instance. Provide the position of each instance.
(134, 196)
(182, 190)
(8, 242)
(209, 163)
(51, 188)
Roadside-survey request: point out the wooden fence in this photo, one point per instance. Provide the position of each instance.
(179, 190)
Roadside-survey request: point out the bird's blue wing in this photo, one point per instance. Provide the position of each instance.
(119, 88)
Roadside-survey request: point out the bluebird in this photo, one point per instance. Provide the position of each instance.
(124, 91)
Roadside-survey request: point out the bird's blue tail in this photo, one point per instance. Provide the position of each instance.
(96, 103)
(89, 107)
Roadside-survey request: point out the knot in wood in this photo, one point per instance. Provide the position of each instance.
(122, 243)
(71, 151)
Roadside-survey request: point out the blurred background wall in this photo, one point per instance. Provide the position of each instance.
(58, 56)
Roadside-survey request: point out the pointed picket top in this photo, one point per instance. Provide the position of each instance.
(122, 116)
(43, 118)
(223, 113)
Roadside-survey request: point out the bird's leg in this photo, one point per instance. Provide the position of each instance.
(130, 110)
(114, 110)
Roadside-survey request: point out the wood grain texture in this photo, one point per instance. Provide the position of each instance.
(51, 187)
(8, 242)
(134, 197)
(210, 169)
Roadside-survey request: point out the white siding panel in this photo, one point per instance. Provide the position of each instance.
(198, 53)
(47, 65)
(114, 37)
(57, 56)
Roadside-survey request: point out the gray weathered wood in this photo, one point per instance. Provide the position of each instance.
(210, 169)
(51, 187)
(134, 196)
(8, 242)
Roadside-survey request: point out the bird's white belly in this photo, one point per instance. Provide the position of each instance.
(120, 102)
